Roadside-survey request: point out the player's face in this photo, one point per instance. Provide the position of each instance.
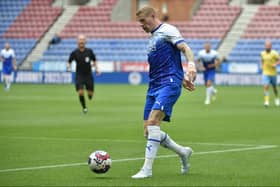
(7, 46)
(147, 22)
(268, 46)
(81, 42)
(207, 47)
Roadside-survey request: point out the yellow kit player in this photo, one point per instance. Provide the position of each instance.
(270, 61)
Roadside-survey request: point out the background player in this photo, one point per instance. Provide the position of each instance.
(166, 76)
(207, 62)
(85, 59)
(8, 58)
(269, 59)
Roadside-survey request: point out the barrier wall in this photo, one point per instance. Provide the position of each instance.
(133, 78)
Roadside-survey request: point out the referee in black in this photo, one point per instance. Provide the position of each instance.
(85, 59)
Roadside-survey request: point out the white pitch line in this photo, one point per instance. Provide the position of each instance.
(117, 140)
(139, 158)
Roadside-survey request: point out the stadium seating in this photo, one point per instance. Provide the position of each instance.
(34, 21)
(132, 50)
(126, 41)
(95, 22)
(9, 10)
(24, 22)
(264, 25)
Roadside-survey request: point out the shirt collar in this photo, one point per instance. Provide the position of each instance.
(156, 28)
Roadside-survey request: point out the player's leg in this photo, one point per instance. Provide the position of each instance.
(167, 103)
(153, 142)
(80, 91)
(266, 90)
(183, 152)
(146, 170)
(208, 85)
(275, 91)
(212, 88)
(82, 100)
(7, 81)
(207, 98)
(90, 87)
(159, 108)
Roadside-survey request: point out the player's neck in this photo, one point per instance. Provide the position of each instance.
(156, 26)
(82, 49)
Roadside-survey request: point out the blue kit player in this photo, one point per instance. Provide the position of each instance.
(166, 80)
(209, 59)
(8, 58)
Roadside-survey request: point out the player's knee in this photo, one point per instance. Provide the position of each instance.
(152, 122)
(81, 92)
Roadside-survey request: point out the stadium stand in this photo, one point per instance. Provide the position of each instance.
(9, 10)
(125, 41)
(264, 25)
(26, 22)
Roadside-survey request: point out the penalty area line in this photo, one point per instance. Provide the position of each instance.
(140, 158)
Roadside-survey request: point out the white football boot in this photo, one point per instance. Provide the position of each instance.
(142, 174)
(266, 103)
(185, 160)
(214, 95)
(207, 102)
(85, 110)
(277, 102)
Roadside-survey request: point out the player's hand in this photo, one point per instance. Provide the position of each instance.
(211, 65)
(187, 84)
(15, 67)
(68, 68)
(201, 68)
(145, 132)
(191, 72)
(97, 72)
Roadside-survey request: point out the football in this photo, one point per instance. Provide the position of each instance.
(99, 162)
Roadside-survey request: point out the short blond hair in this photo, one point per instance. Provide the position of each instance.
(146, 11)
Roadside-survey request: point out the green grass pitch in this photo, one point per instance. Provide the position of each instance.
(45, 139)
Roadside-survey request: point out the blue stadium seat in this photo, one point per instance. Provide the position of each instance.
(117, 50)
(9, 10)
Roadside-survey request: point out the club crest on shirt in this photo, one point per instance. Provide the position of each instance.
(87, 59)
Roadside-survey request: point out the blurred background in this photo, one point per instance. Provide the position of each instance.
(43, 33)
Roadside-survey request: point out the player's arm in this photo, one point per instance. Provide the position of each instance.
(1, 56)
(94, 63)
(14, 60)
(262, 62)
(15, 63)
(71, 58)
(199, 64)
(191, 70)
(277, 60)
